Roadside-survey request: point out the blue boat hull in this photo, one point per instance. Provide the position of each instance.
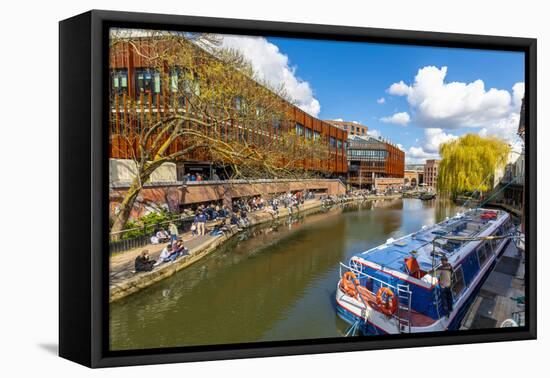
(367, 328)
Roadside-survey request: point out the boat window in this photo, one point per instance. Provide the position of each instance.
(493, 243)
(483, 253)
(458, 282)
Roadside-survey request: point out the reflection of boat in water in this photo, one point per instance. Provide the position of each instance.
(427, 196)
(392, 288)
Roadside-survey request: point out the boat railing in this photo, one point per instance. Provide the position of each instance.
(402, 293)
(358, 271)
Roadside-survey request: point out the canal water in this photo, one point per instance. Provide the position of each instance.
(273, 282)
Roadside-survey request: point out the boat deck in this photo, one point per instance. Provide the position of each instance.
(468, 225)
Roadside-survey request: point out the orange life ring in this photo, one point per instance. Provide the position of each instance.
(386, 301)
(348, 281)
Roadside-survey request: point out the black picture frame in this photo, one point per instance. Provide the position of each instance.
(83, 197)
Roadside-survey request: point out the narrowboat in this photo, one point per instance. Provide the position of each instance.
(394, 288)
(427, 196)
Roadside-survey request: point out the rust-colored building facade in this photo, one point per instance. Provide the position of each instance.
(351, 127)
(370, 158)
(134, 80)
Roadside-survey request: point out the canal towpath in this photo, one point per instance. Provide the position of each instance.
(125, 281)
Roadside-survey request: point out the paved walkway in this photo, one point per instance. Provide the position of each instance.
(496, 299)
(122, 264)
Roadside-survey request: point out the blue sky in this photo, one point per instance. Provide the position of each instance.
(345, 79)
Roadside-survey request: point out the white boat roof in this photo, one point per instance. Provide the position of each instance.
(470, 224)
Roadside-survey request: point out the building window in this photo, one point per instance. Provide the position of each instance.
(143, 81)
(197, 88)
(299, 129)
(276, 123)
(174, 81)
(332, 141)
(187, 85)
(339, 144)
(309, 133)
(260, 111)
(156, 86)
(119, 81)
(316, 135)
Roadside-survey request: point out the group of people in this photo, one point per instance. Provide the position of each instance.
(201, 177)
(287, 200)
(236, 216)
(213, 212)
(163, 236)
(204, 214)
(173, 250)
(195, 177)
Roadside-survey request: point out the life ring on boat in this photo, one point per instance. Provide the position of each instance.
(349, 281)
(386, 301)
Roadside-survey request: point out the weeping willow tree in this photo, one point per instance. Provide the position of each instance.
(469, 163)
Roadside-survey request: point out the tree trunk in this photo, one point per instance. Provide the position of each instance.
(126, 206)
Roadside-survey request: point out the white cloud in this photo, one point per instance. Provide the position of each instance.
(433, 138)
(272, 65)
(518, 91)
(417, 155)
(381, 100)
(338, 119)
(399, 89)
(398, 118)
(436, 103)
(505, 129)
(428, 146)
(374, 133)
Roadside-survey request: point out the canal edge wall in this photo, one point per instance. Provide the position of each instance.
(143, 280)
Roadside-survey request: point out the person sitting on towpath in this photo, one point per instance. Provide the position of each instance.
(179, 248)
(143, 262)
(244, 219)
(154, 239)
(445, 276)
(234, 219)
(168, 254)
(162, 236)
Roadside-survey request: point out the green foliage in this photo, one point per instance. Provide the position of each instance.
(469, 163)
(147, 224)
(134, 228)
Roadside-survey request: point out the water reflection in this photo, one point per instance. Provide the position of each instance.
(274, 282)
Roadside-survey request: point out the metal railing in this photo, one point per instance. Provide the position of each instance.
(403, 296)
(145, 233)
